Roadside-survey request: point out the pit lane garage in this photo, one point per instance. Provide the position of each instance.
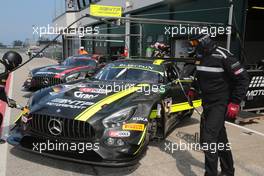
(250, 94)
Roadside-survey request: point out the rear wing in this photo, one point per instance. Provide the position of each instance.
(189, 60)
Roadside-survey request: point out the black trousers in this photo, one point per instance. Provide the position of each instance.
(213, 135)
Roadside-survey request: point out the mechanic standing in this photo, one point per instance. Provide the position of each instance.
(222, 83)
(82, 51)
(9, 61)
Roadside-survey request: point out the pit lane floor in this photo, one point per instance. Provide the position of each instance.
(247, 149)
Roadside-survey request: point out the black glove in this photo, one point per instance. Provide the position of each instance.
(191, 95)
(11, 103)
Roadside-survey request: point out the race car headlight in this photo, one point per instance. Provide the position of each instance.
(72, 77)
(119, 117)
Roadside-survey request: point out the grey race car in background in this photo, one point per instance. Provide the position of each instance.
(72, 68)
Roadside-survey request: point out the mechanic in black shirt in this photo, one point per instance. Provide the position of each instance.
(222, 83)
(9, 61)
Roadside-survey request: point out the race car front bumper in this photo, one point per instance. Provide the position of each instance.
(38, 82)
(103, 155)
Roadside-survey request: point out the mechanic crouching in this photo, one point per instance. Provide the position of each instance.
(9, 61)
(222, 82)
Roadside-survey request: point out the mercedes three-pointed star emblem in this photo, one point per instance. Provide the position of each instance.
(55, 127)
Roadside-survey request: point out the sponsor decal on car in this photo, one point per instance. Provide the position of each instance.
(167, 105)
(93, 90)
(66, 103)
(82, 95)
(147, 67)
(143, 119)
(59, 68)
(119, 133)
(133, 127)
(25, 119)
(45, 73)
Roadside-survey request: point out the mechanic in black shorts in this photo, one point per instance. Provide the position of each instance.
(9, 61)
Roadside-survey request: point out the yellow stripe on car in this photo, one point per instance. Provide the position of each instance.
(136, 68)
(141, 140)
(178, 107)
(89, 112)
(142, 136)
(158, 61)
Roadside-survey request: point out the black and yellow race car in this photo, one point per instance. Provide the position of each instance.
(116, 113)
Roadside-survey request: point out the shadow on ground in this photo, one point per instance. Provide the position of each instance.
(188, 122)
(183, 158)
(77, 168)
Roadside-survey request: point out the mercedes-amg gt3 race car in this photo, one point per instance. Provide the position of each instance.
(72, 68)
(117, 112)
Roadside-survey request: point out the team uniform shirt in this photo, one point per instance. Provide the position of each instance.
(221, 76)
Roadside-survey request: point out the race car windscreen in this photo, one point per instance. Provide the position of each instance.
(131, 73)
(79, 62)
